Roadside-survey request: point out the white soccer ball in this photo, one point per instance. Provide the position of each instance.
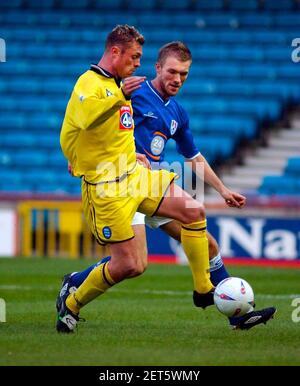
(233, 296)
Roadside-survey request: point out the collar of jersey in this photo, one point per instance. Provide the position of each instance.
(99, 70)
(157, 93)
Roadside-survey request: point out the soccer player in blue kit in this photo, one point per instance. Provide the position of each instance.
(158, 117)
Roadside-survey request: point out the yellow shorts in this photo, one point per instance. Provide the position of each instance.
(109, 207)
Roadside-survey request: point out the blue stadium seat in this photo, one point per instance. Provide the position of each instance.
(282, 5)
(289, 71)
(219, 145)
(44, 4)
(286, 20)
(268, 37)
(211, 5)
(11, 4)
(142, 5)
(279, 185)
(174, 5)
(18, 141)
(69, 4)
(255, 20)
(237, 5)
(6, 159)
(14, 186)
(10, 122)
(112, 4)
(13, 176)
(293, 167)
(31, 158)
(234, 127)
(259, 71)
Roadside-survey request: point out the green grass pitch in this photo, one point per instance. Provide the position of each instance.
(148, 320)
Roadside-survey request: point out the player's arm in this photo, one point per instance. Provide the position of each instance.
(186, 146)
(231, 198)
(93, 106)
(143, 160)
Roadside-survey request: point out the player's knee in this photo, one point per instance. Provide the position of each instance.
(132, 268)
(141, 268)
(195, 214)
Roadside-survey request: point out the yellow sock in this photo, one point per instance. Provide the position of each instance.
(195, 245)
(98, 281)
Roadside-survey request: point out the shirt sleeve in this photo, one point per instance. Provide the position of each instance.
(184, 139)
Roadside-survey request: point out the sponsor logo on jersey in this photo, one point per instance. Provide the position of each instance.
(106, 232)
(81, 98)
(126, 122)
(108, 93)
(173, 127)
(150, 114)
(157, 145)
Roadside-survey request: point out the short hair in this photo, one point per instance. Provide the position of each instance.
(177, 49)
(123, 36)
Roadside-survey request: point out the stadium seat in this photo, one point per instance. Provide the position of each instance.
(237, 5)
(279, 185)
(293, 167)
(282, 5)
(111, 5)
(11, 4)
(44, 4)
(174, 5)
(69, 4)
(141, 5)
(212, 5)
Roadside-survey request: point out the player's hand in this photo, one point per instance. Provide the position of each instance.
(233, 199)
(131, 84)
(143, 160)
(70, 169)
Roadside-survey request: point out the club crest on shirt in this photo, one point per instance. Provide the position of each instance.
(126, 122)
(108, 93)
(173, 127)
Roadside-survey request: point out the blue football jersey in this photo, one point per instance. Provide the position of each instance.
(156, 121)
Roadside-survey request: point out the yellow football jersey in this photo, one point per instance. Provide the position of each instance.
(97, 131)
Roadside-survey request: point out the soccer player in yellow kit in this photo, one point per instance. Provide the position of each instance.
(97, 139)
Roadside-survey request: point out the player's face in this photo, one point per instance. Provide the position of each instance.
(171, 75)
(128, 60)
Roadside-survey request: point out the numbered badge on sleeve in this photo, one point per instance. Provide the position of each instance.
(126, 122)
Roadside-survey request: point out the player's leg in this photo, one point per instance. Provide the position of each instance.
(217, 269)
(77, 278)
(126, 251)
(179, 205)
(124, 263)
(73, 280)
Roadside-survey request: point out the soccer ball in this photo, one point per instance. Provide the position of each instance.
(233, 296)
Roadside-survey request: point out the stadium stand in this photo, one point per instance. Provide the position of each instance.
(242, 79)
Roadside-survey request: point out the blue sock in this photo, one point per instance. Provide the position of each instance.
(217, 270)
(79, 277)
(217, 274)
